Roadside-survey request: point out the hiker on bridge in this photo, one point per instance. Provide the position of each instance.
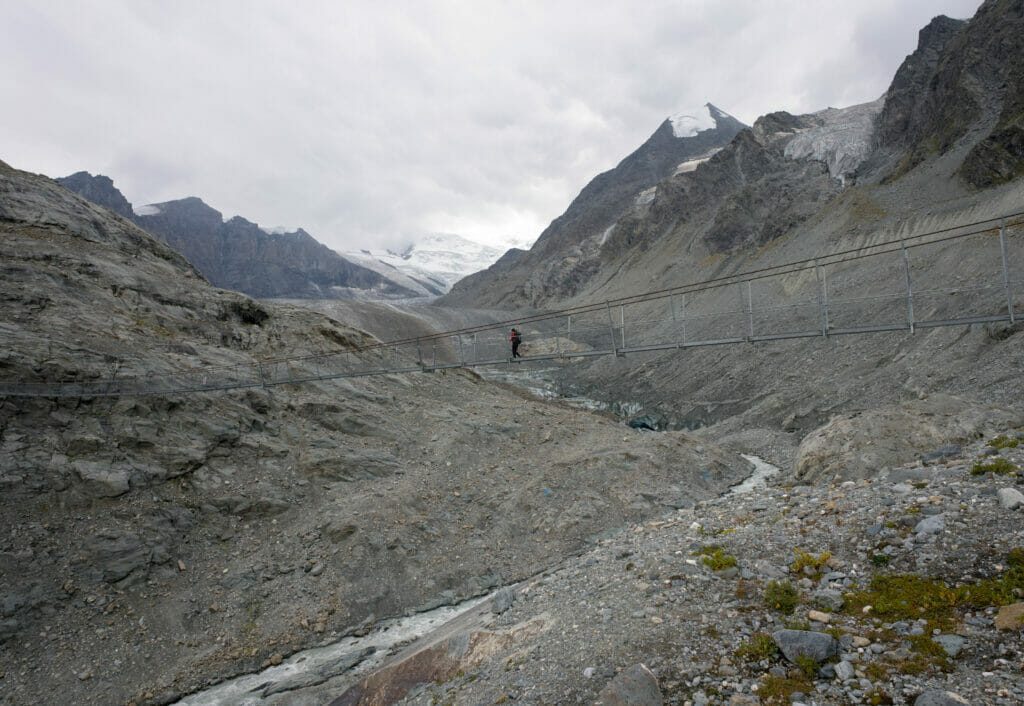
(515, 339)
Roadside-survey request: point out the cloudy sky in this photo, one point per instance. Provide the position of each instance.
(370, 122)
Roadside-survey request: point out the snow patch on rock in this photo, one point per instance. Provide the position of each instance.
(150, 209)
(688, 123)
(691, 164)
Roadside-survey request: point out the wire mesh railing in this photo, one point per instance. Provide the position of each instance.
(893, 285)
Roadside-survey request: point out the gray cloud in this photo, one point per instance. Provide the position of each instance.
(368, 123)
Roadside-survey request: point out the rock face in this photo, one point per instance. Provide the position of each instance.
(238, 254)
(965, 82)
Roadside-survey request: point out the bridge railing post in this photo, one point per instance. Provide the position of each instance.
(910, 290)
(682, 317)
(1007, 283)
(675, 322)
(622, 323)
(822, 298)
(750, 314)
(611, 327)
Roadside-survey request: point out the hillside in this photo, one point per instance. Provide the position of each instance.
(154, 544)
(792, 188)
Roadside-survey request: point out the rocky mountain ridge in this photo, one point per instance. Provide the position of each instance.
(559, 258)
(239, 255)
(955, 99)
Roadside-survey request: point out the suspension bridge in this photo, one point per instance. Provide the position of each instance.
(887, 286)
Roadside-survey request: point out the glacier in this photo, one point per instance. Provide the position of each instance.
(841, 139)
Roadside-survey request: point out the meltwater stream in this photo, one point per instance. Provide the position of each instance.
(341, 663)
(294, 680)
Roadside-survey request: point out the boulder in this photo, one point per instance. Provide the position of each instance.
(1010, 498)
(796, 643)
(636, 686)
(1010, 617)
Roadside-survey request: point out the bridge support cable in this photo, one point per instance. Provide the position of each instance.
(875, 288)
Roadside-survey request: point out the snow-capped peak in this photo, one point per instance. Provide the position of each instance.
(688, 123)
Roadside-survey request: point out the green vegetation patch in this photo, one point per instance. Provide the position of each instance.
(910, 597)
(715, 557)
(1004, 442)
(781, 596)
(777, 690)
(759, 646)
(804, 559)
(999, 466)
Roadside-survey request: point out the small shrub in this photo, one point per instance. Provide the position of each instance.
(797, 624)
(781, 596)
(877, 698)
(1015, 558)
(817, 563)
(715, 557)
(1004, 442)
(759, 646)
(777, 690)
(999, 466)
(807, 665)
(880, 559)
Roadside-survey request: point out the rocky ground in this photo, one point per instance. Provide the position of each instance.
(894, 585)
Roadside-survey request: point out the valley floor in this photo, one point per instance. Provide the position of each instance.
(665, 593)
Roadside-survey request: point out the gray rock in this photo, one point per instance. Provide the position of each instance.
(931, 525)
(117, 554)
(636, 686)
(102, 479)
(939, 698)
(829, 599)
(816, 645)
(942, 453)
(951, 644)
(844, 670)
(502, 600)
(1010, 498)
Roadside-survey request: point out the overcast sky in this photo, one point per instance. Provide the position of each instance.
(369, 122)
